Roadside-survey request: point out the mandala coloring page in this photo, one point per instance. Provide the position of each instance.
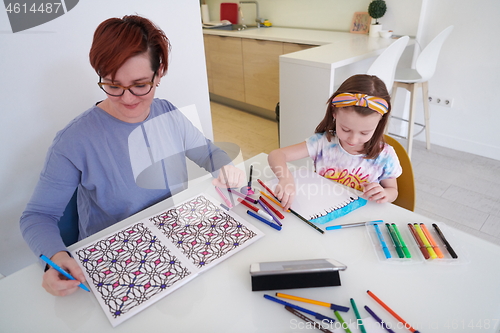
(140, 264)
(203, 231)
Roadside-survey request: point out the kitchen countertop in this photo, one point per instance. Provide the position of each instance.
(335, 48)
(290, 35)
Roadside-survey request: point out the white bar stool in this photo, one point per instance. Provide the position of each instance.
(384, 67)
(412, 79)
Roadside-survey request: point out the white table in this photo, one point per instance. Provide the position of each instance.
(434, 298)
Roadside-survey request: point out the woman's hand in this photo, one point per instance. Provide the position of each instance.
(58, 285)
(235, 177)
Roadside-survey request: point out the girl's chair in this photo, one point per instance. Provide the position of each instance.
(384, 67)
(411, 79)
(406, 182)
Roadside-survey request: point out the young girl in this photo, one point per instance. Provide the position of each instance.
(349, 145)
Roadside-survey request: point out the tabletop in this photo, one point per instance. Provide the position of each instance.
(432, 297)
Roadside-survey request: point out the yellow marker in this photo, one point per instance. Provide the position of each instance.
(434, 245)
(426, 242)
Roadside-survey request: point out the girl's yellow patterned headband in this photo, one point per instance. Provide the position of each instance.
(377, 104)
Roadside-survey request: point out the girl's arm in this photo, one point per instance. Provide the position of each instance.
(285, 190)
(386, 191)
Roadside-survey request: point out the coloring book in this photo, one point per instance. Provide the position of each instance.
(319, 199)
(132, 268)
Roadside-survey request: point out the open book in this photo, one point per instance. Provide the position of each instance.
(132, 268)
(319, 199)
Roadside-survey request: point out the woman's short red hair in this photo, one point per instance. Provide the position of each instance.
(117, 40)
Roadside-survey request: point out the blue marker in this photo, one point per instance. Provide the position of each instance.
(260, 218)
(350, 225)
(382, 242)
(62, 271)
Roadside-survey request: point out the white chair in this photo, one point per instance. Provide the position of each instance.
(411, 79)
(384, 67)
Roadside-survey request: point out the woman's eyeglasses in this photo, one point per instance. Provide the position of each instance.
(116, 90)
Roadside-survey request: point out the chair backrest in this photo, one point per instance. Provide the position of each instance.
(406, 182)
(427, 60)
(384, 67)
(68, 224)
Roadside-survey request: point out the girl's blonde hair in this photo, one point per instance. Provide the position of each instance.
(360, 84)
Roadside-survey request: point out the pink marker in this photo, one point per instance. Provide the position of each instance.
(226, 200)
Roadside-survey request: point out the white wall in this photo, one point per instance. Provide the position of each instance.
(467, 70)
(46, 80)
(311, 14)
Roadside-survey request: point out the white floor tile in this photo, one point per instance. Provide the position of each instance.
(492, 226)
(469, 198)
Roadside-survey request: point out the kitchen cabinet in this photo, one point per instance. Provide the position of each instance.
(245, 69)
(225, 60)
(261, 72)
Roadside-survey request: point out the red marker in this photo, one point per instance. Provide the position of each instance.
(275, 211)
(267, 188)
(256, 209)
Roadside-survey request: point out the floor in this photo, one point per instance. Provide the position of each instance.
(460, 189)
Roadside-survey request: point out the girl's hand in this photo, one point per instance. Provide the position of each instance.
(235, 177)
(58, 285)
(374, 192)
(285, 192)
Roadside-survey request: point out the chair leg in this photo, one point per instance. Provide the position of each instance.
(393, 99)
(411, 120)
(425, 93)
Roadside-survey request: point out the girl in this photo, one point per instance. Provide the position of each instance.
(349, 145)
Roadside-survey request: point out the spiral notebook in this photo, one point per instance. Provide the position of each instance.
(321, 200)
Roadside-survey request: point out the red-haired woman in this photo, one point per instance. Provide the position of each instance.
(124, 154)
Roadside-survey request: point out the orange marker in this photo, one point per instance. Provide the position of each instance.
(272, 199)
(394, 314)
(431, 240)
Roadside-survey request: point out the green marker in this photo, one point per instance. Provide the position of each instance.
(395, 241)
(342, 322)
(358, 317)
(403, 245)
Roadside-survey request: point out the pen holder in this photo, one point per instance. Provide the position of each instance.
(391, 254)
(296, 274)
(247, 190)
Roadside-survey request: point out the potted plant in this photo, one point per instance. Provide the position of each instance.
(376, 10)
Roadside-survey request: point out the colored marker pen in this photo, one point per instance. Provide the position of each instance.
(401, 240)
(62, 271)
(382, 242)
(395, 241)
(427, 245)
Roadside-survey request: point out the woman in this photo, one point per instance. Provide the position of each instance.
(124, 154)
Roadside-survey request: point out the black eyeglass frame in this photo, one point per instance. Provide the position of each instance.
(129, 88)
